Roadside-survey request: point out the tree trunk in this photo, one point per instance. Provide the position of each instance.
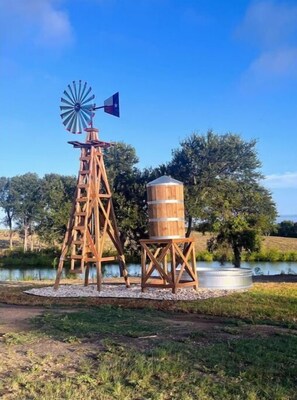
(237, 256)
(26, 231)
(189, 229)
(10, 238)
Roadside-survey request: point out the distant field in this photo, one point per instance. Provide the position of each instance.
(269, 242)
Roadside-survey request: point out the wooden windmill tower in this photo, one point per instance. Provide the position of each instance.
(92, 218)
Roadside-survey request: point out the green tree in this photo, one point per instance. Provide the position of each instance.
(7, 204)
(286, 229)
(129, 191)
(221, 177)
(239, 214)
(57, 194)
(27, 206)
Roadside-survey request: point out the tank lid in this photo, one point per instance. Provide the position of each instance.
(164, 180)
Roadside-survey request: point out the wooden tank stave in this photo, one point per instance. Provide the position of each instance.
(166, 209)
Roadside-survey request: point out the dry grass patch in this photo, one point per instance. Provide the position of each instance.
(268, 242)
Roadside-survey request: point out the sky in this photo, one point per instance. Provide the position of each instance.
(180, 66)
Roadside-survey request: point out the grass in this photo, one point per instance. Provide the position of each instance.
(103, 320)
(268, 242)
(143, 350)
(105, 362)
(247, 369)
(264, 303)
(272, 303)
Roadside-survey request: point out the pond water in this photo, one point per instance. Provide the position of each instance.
(112, 270)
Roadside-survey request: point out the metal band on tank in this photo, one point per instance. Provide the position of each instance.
(167, 237)
(165, 202)
(165, 219)
(164, 184)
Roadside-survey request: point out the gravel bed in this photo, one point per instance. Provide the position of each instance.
(134, 292)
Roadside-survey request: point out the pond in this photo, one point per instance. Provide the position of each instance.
(112, 270)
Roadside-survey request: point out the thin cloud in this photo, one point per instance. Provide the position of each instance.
(269, 23)
(271, 27)
(276, 63)
(40, 19)
(288, 180)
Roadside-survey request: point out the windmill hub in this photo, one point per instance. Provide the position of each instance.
(77, 107)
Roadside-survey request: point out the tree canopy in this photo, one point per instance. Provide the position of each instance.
(221, 177)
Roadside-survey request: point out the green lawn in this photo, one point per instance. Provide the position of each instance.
(242, 346)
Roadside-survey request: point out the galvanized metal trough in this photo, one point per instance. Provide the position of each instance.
(225, 278)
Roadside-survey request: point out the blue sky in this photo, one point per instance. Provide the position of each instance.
(180, 66)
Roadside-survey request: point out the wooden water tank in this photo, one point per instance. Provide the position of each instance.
(165, 197)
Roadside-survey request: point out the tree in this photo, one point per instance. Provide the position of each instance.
(240, 214)
(128, 188)
(57, 194)
(7, 204)
(27, 206)
(286, 229)
(221, 177)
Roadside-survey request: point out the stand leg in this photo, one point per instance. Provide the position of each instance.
(194, 267)
(87, 275)
(99, 275)
(173, 268)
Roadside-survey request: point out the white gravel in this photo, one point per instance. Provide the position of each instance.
(134, 292)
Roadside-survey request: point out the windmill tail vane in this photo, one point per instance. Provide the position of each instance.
(77, 109)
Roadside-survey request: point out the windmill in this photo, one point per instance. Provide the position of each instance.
(92, 220)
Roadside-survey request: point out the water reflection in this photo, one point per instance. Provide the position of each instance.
(134, 270)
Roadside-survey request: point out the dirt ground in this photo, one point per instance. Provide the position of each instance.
(17, 319)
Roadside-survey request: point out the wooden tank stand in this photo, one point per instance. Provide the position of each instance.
(162, 257)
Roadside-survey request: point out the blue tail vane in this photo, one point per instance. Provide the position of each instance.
(112, 105)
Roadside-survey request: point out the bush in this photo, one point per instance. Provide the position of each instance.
(204, 256)
(41, 258)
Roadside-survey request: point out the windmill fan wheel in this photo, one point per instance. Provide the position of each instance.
(76, 110)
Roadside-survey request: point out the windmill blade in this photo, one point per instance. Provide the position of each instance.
(68, 119)
(79, 124)
(87, 100)
(83, 92)
(66, 102)
(66, 113)
(88, 108)
(71, 123)
(66, 108)
(84, 120)
(71, 92)
(86, 94)
(66, 94)
(75, 91)
(87, 117)
(79, 89)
